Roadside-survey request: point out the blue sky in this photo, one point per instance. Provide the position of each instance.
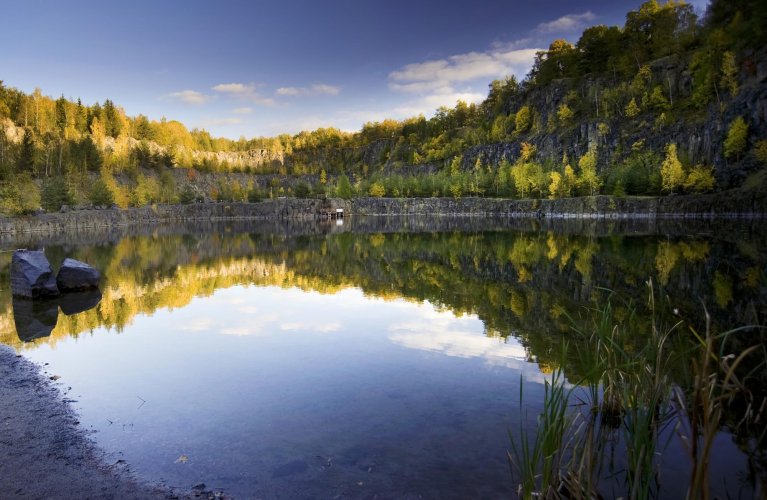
(257, 68)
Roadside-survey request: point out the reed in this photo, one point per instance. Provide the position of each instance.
(629, 402)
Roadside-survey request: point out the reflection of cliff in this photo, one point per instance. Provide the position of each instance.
(527, 284)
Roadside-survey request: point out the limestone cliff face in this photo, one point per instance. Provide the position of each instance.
(698, 135)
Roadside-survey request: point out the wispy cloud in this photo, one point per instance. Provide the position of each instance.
(242, 111)
(567, 24)
(247, 92)
(442, 75)
(442, 82)
(316, 89)
(213, 122)
(190, 97)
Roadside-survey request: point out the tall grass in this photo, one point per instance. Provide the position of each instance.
(629, 402)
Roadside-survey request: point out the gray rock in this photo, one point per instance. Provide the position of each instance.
(77, 276)
(32, 275)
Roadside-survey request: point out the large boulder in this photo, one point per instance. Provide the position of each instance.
(76, 276)
(31, 275)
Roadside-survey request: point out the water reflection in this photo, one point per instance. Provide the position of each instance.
(34, 319)
(353, 334)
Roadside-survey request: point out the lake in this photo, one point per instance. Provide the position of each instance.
(378, 358)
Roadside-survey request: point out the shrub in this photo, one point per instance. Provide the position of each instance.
(301, 190)
(101, 194)
(377, 190)
(55, 193)
(700, 179)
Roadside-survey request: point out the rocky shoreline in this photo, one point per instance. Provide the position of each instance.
(724, 205)
(45, 453)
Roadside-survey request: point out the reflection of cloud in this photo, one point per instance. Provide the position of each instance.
(238, 331)
(444, 333)
(197, 325)
(291, 326)
(328, 327)
(249, 310)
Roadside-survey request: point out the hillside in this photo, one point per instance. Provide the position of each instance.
(667, 103)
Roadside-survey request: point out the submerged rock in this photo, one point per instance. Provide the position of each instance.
(32, 275)
(77, 276)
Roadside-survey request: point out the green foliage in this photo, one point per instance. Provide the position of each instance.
(522, 120)
(632, 109)
(302, 190)
(55, 193)
(671, 170)
(344, 188)
(565, 114)
(700, 179)
(189, 195)
(377, 190)
(760, 151)
(101, 194)
(19, 195)
(589, 180)
(729, 78)
(737, 136)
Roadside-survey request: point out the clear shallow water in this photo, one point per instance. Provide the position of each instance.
(353, 364)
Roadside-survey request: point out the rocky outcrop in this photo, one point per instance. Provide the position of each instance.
(76, 276)
(32, 275)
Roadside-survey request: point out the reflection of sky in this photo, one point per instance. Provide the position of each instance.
(251, 378)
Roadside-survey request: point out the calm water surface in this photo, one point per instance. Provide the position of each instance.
(352, 363)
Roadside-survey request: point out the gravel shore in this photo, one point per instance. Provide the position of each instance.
(43, 451)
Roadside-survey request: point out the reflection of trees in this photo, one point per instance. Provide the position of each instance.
(528, 284)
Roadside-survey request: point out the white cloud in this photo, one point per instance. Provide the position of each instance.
(243, 91)
(190, 97)
(567, 24)
(234, 88)
(212, 122)
(242, 111)
(316, 89)
(444, 74)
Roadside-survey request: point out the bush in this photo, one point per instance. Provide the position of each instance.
(187, 195)
(55, 194)
(101, 194)
(377, 190)
(301, 190)
(700, 179)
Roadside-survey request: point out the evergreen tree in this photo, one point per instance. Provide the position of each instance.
(26, 158)
(55, 194)
(344, 188)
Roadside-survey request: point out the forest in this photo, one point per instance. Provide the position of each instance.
(611, 113)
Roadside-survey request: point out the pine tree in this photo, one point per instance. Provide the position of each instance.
(26, 159)
(344, 188)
